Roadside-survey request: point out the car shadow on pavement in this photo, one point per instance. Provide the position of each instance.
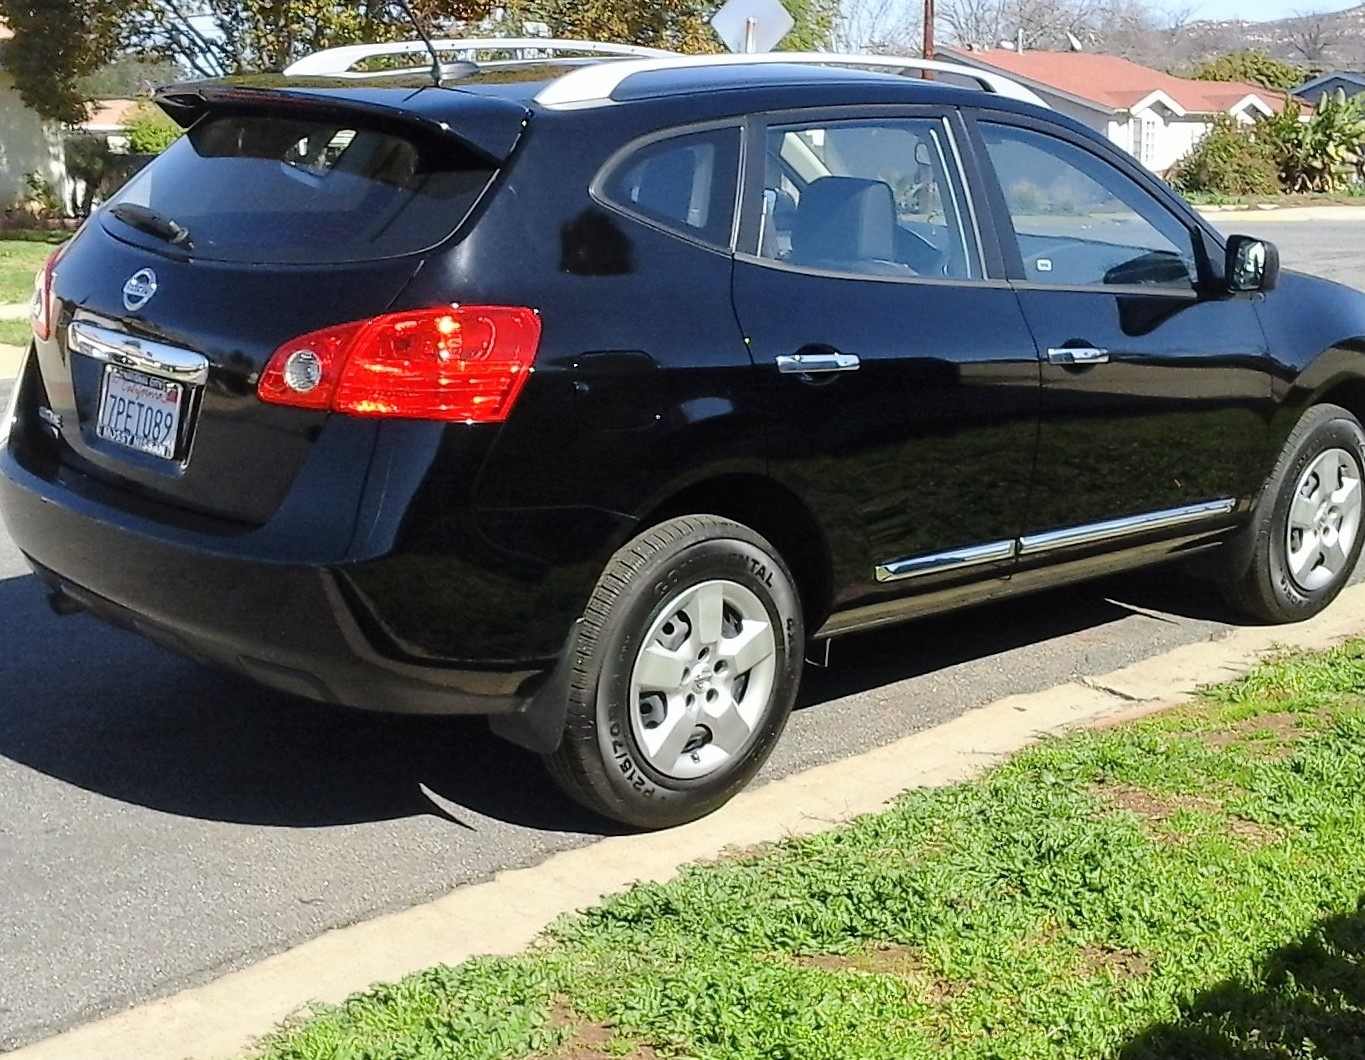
(103, 710)
(1311, 990)
(897, 653)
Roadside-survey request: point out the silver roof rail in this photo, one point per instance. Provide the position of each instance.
(595, 84)
(338, 62)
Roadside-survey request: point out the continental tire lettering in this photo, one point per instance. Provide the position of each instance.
(759, 570)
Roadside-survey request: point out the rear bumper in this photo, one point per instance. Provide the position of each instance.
(288, 625)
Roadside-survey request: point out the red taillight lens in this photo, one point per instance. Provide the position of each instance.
(461, 363)
(42, 310)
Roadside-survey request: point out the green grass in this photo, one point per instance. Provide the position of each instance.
(20, 258)
(14, 333)
(1188, 886)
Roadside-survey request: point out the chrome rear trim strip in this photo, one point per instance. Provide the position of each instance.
(142, 355)
(1096, 533)
(944, 561)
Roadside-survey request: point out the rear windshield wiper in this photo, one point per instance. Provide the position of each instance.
(153, 223)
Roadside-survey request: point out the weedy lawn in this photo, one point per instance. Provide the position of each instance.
(14, 333)
(1186, 886)
(22, 254)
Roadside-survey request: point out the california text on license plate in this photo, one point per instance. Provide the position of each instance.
(140, 411)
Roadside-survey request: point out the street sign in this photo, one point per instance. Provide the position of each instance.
(752, 25)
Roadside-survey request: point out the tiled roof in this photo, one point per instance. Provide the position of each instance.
(107, 115)
(1114, 83)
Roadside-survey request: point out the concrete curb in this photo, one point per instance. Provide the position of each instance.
(506, 914)
(1271, 212)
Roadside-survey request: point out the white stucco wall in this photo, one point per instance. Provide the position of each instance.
(27, 145)
(1172, 136)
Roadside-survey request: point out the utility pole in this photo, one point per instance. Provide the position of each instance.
(928, 36)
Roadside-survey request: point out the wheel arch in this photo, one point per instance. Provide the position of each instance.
(772, 510)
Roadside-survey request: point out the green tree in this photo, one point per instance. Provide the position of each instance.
(1252, 66)
(215, 37)
(128, 77)
(47, 59)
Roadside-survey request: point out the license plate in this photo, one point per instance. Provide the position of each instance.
(140, 411)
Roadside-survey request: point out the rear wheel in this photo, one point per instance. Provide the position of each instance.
(687, 664)
(1306, 529)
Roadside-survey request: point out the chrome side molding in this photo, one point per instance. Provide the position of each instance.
(142, 355)
(1067, 537)
(1110, 529)
(945, 561)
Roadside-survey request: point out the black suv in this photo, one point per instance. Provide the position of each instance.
(585, 395)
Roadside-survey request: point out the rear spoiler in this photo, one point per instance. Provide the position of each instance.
(488, 125)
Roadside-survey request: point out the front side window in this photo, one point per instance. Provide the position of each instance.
(1081, 222)
(869, 198)
(685, 183)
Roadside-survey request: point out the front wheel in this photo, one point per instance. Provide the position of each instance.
(1305, 530)
(687, 664)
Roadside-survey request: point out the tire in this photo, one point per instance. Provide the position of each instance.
(1305, 532)
(687, 664)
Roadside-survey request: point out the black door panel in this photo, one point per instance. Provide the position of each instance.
(1156, 394)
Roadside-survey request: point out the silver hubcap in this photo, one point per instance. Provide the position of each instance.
(1324, 518)
(703, 679)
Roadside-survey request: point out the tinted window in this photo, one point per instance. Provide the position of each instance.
(283, 189)
(686, 183)
(1081, 221)
(867, 197)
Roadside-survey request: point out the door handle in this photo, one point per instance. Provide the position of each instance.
(1078, 355)
(813, 363)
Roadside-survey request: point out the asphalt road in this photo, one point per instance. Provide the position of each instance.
(161, 823)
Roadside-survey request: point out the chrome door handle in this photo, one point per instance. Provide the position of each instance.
(811, 363)
(1078, 355)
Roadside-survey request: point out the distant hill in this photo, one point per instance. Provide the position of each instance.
(1332, 40)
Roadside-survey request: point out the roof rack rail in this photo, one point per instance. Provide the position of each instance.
(338, 62)
(595, 84)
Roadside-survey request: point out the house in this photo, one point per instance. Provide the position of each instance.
(28, 144)
(1353, 84)
(109, 119)
(1156, 116)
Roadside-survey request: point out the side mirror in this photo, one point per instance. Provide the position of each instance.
(1252, 265)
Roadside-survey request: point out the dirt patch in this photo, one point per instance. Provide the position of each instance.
(1121, 963)
(1157, 811)
(1270, 735)
(591, 1041)
(903, 962)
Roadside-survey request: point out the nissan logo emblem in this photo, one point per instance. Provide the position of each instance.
(138, 291)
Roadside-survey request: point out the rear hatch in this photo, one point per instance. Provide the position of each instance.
(277, 214)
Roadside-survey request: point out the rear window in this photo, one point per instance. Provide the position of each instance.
(281, 189)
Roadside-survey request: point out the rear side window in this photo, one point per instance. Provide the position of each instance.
(685, 183)
(281, 189)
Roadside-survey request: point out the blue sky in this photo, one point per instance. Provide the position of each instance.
(1262, 9)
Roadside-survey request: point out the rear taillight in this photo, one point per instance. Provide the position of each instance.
(42, 310)
(461, 363)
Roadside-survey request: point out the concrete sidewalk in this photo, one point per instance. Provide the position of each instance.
(10, 359)
(1271, 212)
(506, 914)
